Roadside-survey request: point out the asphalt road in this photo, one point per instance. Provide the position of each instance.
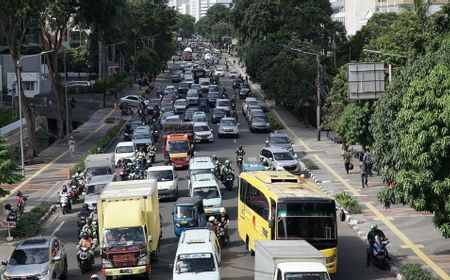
(237, 263)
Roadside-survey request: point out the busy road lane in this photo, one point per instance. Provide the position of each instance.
(237, 263)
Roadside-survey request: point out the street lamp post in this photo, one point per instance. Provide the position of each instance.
(65, 93)
(19, 90)
(318, 102)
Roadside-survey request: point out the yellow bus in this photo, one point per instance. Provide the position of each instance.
(277, 205)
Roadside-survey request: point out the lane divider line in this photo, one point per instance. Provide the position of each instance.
(45, 167)
(58, 228)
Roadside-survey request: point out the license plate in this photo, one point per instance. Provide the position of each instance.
(183, 222)
(123, 257)
(209, 211)
(125, 270)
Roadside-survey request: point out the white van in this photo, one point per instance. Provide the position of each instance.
(198, 256)
(167, 180)
(125, 150)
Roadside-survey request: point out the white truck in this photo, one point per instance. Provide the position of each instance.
(97, 165)
(288, 260)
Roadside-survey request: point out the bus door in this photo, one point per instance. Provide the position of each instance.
(242, 196)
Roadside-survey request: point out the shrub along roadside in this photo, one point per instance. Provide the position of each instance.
(102, 143)
(29, 224)
(348, 202)
(274, 122)
(6, 116)
(311, 165)
(412, 271)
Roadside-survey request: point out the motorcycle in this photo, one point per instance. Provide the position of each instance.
(126, 111)
(151, 152)
(122, 173)
(217, 169)
(222, 234)
(14, 214)
(86, 259)
(228, 181)
(74, 193)
(64, 202)
(239, 162)
(379, 252)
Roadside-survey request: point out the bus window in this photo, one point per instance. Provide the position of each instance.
(242, 190)
(256, 200)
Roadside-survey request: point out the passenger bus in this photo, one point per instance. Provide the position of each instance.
(276, 205)
(187, 54)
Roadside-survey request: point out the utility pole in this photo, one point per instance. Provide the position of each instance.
(318, 101)
(65, 93)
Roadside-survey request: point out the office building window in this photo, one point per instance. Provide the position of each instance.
(29, 85)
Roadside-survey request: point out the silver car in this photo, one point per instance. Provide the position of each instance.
(228, 127)
(180, 106)
(40, 257)
(133, 100)
(279, 159)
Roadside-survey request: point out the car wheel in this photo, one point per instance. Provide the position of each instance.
(219, 135)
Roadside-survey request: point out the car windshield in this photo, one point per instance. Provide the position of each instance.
(283, 156)
(124, 236)
(251, 102)
(195, 263)
(223, 103)
(142, 136)
(259, 119)
(124, 149)
(306, 276)
(178, 146)
(161, 175)
(228, 122)
(29, 256)
(95, 189)
(200, 128)
(192, 94)
(184, 211)
(206, 192)
(97, 171)
(279, 140)
(180, 103)
(199, 119)
(219, 112)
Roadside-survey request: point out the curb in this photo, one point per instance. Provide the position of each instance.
(50, 211)
(352, 222)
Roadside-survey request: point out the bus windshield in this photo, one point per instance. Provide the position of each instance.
(195, 263)
(306, 276)
(306, 220)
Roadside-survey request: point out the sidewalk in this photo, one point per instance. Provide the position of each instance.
(43, 181)
(414, 239)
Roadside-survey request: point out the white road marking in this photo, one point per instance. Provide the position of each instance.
(58, 228)
(234, 140)
(251, 159)
(49, 190)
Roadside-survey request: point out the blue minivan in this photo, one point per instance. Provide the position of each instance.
(188, 212)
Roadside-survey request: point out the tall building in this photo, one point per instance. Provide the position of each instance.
(198, 8)
(354, 14)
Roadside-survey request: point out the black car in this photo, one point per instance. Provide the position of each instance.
(183, 88)
(217, 115)
(188, 114)
(244, 93)
(129, 128)
(176, 78)
(237, 83)
(152, 103)
(212, 97)
(203, 105)
(167, 107)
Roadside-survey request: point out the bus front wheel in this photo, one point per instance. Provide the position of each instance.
(247, 244)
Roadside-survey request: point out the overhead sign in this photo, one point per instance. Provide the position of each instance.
(234, 41)
(365, 80)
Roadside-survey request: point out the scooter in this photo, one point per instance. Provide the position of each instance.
(228, 181)
(222, 235)
(151, 152)
(65, 204)
(239, 162)
(74, 193)
(379, 252)
(86, 259)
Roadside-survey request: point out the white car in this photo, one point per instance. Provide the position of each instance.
(232, 74)
(223, 104)
(180, 106)
(124, 150)
(192, 97)
(133, 100)
(169, 89)
(167, 180)
(219, 72)
(173, 119)
(199, 117)
(202, 133)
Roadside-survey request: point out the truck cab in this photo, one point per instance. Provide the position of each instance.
(98, 165)
(94, 187)
(178, 146)
(187, 213)
(200, 165)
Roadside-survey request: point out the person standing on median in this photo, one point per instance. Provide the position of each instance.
(364, 174)
(72, 144)
(347, 156)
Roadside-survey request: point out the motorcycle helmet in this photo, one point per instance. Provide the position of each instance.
(85, 235)
(223, 210)
(214, 157)
(211, 219)
(227, 162)
(79, 170)
(64, 187)
(19, 193)
(85, 206)
(373, 227)
(94, 277)
(89, 221)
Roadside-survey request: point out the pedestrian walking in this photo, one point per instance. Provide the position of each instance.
(364, 174)
(246, 79)
(367, 159)
(347, 156)
(72, 144)
(140, 83)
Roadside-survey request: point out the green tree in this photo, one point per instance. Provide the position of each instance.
(416, 137)
(337, 100)
(16, 17)
(78, 59)
(9, 171)
(216, 25)
(354, 123)
(147, 61)
(186, 25)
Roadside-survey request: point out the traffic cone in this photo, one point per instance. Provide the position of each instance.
(68, 174)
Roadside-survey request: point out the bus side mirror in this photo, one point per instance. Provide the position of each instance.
(342, 214)
(271, 223)
(150, 238)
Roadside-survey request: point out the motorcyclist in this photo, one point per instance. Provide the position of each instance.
(240, 152)
(140, 154)
(88, 229)
(224, 220)
(65, 192)
(85, 211)
(95, 277)
(85, 242)
(374, 231)
(212, 224)
(20, 201)
(78, 174)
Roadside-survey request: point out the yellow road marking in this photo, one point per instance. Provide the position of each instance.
(404, 246)
(45, 167)
(379, 216)
(389, 218)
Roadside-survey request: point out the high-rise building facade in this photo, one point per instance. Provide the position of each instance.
(199, 8)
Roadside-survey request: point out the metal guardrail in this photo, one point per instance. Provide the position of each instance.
(8, 129)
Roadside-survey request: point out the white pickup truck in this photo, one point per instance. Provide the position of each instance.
(288, 259)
